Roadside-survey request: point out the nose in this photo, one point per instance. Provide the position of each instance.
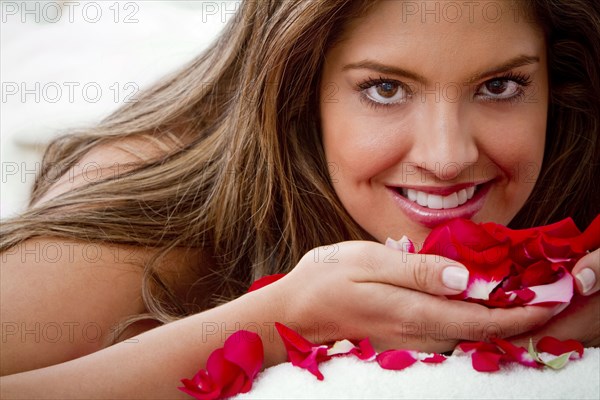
(444, 143)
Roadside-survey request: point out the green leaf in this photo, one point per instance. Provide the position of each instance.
(532, 351)
(559, 361)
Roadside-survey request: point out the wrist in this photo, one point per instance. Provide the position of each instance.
(259, 312)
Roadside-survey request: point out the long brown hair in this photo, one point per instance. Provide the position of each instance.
(569, 183)
(251, 183)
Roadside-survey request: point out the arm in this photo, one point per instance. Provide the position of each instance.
(372, 291)
(151, 364)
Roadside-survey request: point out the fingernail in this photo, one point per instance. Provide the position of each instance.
(586, 279)
(455, 278)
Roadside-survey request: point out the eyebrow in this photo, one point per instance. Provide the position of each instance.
(515, 62)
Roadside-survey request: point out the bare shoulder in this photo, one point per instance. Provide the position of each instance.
(62, 299)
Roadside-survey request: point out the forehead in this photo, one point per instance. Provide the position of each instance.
(444, 30)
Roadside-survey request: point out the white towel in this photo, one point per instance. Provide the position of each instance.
(347, 377)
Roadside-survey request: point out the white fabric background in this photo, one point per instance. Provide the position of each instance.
(120, 47)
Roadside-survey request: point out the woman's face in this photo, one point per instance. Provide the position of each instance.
(424, 121)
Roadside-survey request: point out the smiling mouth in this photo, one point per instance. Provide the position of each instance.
(439, 201)
(430, 206)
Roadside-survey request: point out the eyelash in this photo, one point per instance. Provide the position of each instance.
(521, 79)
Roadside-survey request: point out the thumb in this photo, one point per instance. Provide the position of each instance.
(586, 273)
(426, 273)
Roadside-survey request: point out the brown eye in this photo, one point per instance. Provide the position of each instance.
(496, 86)
(500, 89)
(387, 90)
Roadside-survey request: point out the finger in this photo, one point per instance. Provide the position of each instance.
(426, 273)
(586, 273)
(470, 321)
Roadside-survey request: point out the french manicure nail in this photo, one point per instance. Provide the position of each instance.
(455, 278)
(586, 279)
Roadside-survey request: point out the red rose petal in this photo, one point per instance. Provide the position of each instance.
(396, 359)
(549, 344)
(540, 273)
(365, 350)
(245, 349)
(293, 340)
(221, 371)
(200, 386)
(434, 359)
(229, 370)
(468, 347)
(235, 386)
(313, 359)
(301, 352)
(515, 353)
(509, 268)
(484, 361)
(590, 238)
(264, 281)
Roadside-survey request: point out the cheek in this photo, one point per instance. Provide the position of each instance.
(516, 148)
(519, 147)
(359, 148)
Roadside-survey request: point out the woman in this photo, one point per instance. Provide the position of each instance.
(307, 124)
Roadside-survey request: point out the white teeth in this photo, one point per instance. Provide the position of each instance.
(422, 198)
(438, 202)
(411, 194)
(470, 192)
(450, 201)
(462, 196)
(434, 201)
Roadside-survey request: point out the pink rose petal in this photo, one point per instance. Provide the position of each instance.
(560, 291)
(364, 350)
(396, 359)
(341, 347)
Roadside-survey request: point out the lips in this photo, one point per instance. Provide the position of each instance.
(431, 206)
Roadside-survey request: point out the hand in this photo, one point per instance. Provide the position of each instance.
(581, 319)
(394, 298)
(586, 273)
